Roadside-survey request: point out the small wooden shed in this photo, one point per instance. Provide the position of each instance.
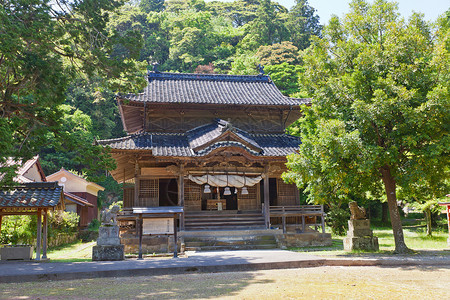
(35, 198)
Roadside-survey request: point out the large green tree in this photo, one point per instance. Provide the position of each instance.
(43, 46)
(302, 23)
(380, 111)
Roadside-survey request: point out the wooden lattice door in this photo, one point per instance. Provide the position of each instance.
(192, 196)
(148, 193)
(287, 193)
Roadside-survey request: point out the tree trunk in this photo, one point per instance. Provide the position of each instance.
(428, 220)
(390, 187)
(384, 213)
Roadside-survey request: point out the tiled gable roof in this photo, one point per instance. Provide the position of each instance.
(23, 168)
(184, 144)
(212, 89)
(205, 134)
(39, 194)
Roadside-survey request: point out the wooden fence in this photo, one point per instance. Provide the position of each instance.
(311, 215)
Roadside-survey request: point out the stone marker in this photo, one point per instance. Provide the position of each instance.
(108, 243)
(359, 234)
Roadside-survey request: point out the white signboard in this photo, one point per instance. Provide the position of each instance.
(158, 226)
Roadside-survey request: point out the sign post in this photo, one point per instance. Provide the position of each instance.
(158, 221)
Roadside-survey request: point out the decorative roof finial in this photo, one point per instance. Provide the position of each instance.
(155, 67)
(261, 69)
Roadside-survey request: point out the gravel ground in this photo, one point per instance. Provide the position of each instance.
(320, 283)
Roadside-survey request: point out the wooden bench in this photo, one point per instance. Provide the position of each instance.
(308, 213)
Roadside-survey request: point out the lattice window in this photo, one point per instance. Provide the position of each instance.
(250, 201)
(287, 193)
(148, 193)
(192, 196)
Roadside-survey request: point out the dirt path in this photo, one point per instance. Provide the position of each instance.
(318, 283)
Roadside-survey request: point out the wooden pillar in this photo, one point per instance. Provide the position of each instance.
(181, 194)
(448, 223)
(175, 244)
(38, 235)
(266, 197)
(136, 185)
(45, 235)
(322, 218)
(141, 225)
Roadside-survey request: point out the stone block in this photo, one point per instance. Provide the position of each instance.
(16, 253)
(108, 235)
(303, 240)
(358, 224)
(366, 232)
(361, 243)
(150, 244)
(108, 252)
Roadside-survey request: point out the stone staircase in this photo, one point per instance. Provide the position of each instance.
(226, 230)
(229, 240)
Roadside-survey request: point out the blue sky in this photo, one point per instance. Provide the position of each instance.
(325, 8)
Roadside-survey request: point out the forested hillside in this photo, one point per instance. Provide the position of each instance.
(188, 36)
(62, 62)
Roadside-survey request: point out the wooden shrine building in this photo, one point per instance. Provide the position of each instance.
(212, 144)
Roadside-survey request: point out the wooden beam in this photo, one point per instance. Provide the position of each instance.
(266, 197)
(38, 235)
(141, 225)
(45, 233)
(136, 185)
(181, 193)
(175, 251)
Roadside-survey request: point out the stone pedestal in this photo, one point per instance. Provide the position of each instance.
(360, 236)
(108, 235)
(16, 253)
(108, 245)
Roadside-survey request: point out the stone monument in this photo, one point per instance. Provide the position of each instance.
(108, 243)
(359, 234)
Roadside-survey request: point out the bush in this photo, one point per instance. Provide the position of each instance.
(94, 225)
(337, 219)
(23, 229)
(91, 232)
(17, 230)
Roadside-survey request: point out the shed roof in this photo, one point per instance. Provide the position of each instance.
(76, 199)
(37, 194)
(212, 89)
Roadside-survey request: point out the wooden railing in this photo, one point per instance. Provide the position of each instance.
(307, 212)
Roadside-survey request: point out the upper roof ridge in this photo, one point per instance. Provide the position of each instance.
(208, 77)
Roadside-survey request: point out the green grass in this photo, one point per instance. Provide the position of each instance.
(75, 252)
(415, 238)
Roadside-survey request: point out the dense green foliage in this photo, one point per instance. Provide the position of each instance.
(22, 229)
(380, 116)
(62, 62)
(44, 46)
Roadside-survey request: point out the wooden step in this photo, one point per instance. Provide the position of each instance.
(224, 220)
